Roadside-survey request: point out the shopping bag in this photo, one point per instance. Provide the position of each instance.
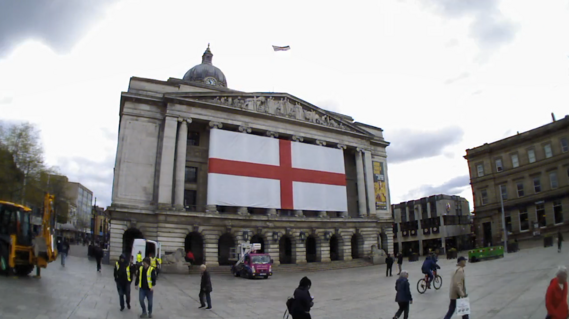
(462, 307)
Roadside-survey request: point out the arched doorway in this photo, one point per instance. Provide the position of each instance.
(311, 249)
(258, 239)
(226, 242)
(285, 250)
(334, 248)
(128, 239)
(383, 242)
(194, 243)
(357, 246)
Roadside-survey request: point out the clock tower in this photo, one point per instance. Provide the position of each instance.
(206, 72)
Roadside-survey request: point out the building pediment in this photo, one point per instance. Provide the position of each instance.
(276, 104)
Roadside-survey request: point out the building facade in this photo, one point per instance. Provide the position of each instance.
(160, 188)
(430, 223)
(81, 201)
(530, 171)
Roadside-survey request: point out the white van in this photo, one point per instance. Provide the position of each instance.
(145, 247)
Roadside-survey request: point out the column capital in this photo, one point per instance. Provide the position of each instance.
(362, 150)
(320, 142)
(297, 138)
(188, 120)
(214, 124)
(244, 129)
(272, 134)
(341, 146)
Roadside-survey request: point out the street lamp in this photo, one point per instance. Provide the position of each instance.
(504, 221)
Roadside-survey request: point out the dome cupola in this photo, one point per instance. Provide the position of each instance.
(206, 72)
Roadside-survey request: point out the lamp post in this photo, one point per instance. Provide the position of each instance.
(504, 221)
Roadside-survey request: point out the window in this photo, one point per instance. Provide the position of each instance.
(424, 211)
(504, 192)
(524, 222)
(547, 150)
(411, 213)
(499, 167)
(531, 156)
(520, 186)
(433, 209)
(191, 174)
(484, 197)
(515, 160)
(557, 212)
(193, 138)
(564, 145)
(190, 199)
(480, 169)
(509, 224)
(553, 180)
(403, 214)
(536, 185)
(540, 212)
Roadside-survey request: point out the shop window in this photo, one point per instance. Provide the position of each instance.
(558, 212)
(524, 221)
(540, 212)
(520, 186)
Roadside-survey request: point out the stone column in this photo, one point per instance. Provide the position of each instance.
(324, 249)
(272, 248)
(300, 251)
(368, 168)
(272, 212)
(343, 147)
(361, 183)
(347, 240)
(297, 212)
(212, 208)
(181, 162)
(166, 184)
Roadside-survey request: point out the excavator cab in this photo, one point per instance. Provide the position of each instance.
(14, 228)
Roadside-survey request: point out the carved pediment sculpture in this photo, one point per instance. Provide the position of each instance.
(281, 105)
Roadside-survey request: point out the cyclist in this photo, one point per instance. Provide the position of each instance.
(428, 266)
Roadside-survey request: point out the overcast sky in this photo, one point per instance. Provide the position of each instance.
(439, 76)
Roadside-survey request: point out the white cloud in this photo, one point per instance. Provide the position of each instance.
(397, 65)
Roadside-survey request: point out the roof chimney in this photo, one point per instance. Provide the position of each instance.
(553, 116)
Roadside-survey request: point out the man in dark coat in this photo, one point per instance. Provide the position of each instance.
(428, 266)
(123, 277)
(389, 263)
(403, 296)
(303, 301)
(399, 262)
(205, 288)
(64, 251)
(98, 256)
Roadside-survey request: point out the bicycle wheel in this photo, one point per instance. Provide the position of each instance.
(438, 282)
(421, 286)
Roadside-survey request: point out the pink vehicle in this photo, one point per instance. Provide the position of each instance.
(252, 264)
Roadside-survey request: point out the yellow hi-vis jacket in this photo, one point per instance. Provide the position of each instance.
(138, 258)
(153, 262)
(127, 271)
(148, 276)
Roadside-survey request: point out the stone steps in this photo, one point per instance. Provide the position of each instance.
(308, 267)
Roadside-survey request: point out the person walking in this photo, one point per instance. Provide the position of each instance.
(303, 301)
(64, 251)
(457, 287)
(559, 241)
(139, 258)
(556, 296)
(123, 278)
(389, 263)
(399, 262)
(145, 286)
(205, 288)
(403, 296)
(98, 257)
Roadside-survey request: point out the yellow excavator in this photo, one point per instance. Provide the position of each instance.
(20, 250)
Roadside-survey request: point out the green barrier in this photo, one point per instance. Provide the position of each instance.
(485, 253)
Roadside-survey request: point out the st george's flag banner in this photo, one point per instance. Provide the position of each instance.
(247, 170)
(277, 48)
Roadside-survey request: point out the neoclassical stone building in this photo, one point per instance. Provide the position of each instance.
(161, 173)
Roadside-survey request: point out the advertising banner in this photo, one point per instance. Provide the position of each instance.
(380, 186)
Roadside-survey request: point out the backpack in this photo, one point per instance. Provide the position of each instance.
(289, 303)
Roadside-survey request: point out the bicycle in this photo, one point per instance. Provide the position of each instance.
(422, 283)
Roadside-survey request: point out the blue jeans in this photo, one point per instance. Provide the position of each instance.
(145, 294)
(63, 257)
(207, 298)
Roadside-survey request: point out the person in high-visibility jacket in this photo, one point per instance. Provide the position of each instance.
(139, 257)
(145, 285)
(123, 277)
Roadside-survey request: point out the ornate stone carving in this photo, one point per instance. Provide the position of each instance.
(320, 142)
(272, 134)
(243, 211)
(188, 120)
(322, 214)
(341, 146)
(244, 129)
(213, 124)
(297, 138)
(278, 106)
(298, 213)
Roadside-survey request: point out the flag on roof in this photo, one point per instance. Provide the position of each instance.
(277, 48)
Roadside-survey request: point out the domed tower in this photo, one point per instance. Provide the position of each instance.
(206, 72)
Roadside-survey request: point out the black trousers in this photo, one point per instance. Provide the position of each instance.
(403, 308)
(388, 270)
(451, 309)
(98, 264)
(124, 290)
(305, 315)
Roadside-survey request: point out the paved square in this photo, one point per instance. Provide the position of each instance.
(510, 288)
